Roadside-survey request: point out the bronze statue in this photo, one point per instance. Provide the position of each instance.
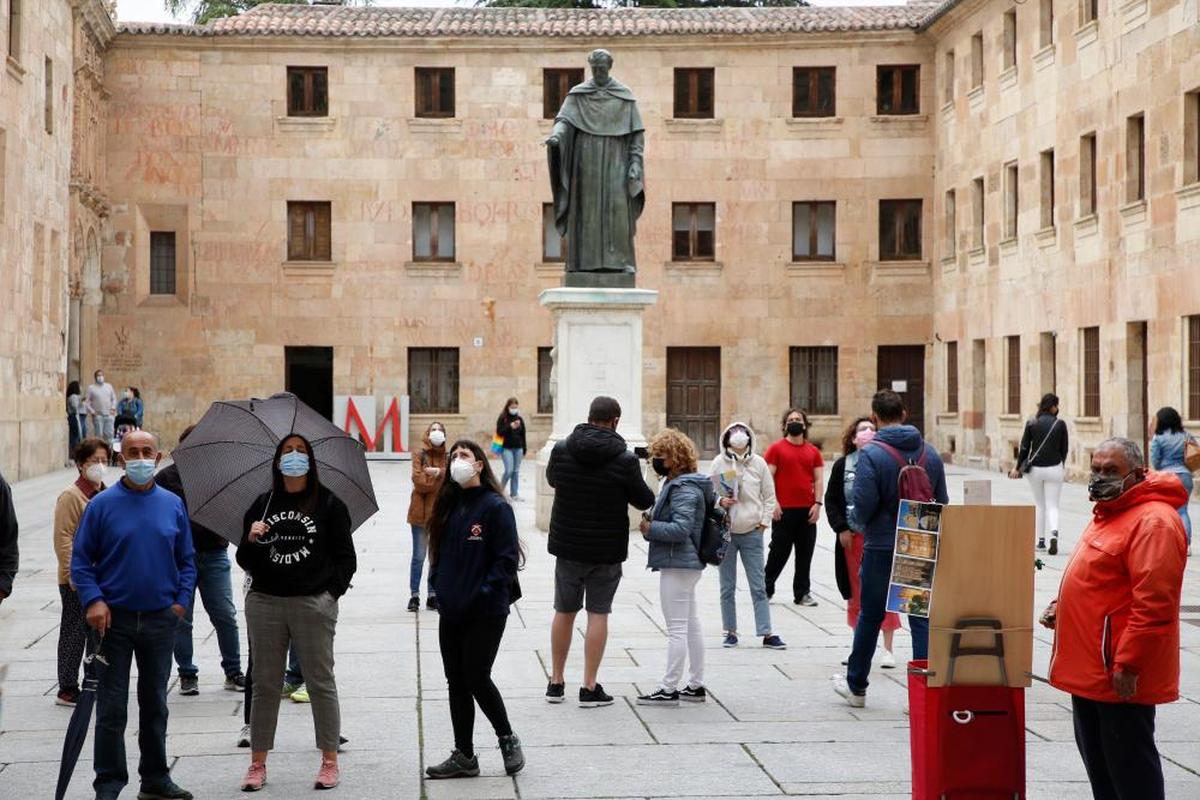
(595, 153)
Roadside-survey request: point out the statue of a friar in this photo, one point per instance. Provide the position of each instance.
(595, 153)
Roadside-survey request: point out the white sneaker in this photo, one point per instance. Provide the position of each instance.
(843, 690)
(888, 661)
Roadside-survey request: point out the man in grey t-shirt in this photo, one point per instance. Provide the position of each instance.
(101, 407)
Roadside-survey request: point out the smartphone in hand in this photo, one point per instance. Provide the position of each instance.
(641, 452)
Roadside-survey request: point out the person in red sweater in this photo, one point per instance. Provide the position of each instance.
(1116, 621)
(798, 469)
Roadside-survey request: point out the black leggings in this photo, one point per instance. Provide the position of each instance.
(793, 530)
(72, 632)
(469, 649)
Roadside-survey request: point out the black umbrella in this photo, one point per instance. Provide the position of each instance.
(226, 461)
(81, 718)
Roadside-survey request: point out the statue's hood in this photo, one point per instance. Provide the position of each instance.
(613, 87)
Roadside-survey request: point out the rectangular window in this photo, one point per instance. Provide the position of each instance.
(1049, 362)
(694, 93)
(899, 230)
(1049, 218)
(1090, 343)
(1135, 158)
(977, 60)
(948, 76)
(162, 262)
(435, 91)
(1012, 403)
(951, 224)
(814, 231)
(308, 91)
(693, 231)
(977, 213)
(1088, 190)
(545, 401)
(814, 91)
(14, 29)
(898, 89)
(951, 377)
(1193, 366)
(554, 246)
(555, 85)
(1012, 200)
(433, 231)
(1045, 23)
(433, 380)
(1191, 137)
(1089, 11)
(48, 101)
(814, 379)
(1010, 38)
(309, 237)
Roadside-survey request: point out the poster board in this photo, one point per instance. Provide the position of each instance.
(915, 558)
(984, 569)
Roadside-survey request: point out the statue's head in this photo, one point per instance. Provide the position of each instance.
(601, 62)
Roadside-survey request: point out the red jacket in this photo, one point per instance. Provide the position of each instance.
(1118, 605)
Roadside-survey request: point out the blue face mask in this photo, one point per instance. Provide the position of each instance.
(140, 470)
(294, 464)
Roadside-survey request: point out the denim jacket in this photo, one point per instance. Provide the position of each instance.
(678, 523)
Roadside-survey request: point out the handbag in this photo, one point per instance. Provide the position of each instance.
(1191, 454)
(1027, 464)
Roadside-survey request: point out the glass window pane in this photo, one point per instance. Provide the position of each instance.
(706, 217)
(825, 229)
(446, 230)
(421, 231)
(886, 89)
(801, 233)
(682, 217)
(825, 91)
(320, 91)
(803, 101)
(909, 90)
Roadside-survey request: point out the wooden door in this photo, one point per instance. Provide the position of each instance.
(694, 395)
(902, 369)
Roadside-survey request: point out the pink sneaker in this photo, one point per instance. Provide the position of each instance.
(328, 775)
(256, 777)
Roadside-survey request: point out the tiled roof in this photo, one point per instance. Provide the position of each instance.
(304, 20)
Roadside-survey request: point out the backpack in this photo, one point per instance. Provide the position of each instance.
(913, 481)
(714, 538)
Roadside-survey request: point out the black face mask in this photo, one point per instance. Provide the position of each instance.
(795, 429)
(660, 466)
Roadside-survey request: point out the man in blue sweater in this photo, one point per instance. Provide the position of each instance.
(876, 504)
(134, 569)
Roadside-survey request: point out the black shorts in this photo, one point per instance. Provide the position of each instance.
(575, 579)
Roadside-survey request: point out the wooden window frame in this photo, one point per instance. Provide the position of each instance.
(1089, 343)
(950, 222)
(308, 104)
(693, 233)
(1012, 199)
(163, 276)
(952, 377)
(434, 214)
(812, 75)
(978, 60)
(814, 207)
(1012, 377)
(545, 396)
(427, 94)
(1191, 137)
(558, 79)
(816, 360)
(1089, 191)
(562, 240)
(897, 72)
(694, 96)
(308, 247)
(1192, 365)
(948, 71)
(1049, 200)
(901, 205)
(14, 30)
(1010, 39)
(1135, 158)
(433, 361)
(978, 213)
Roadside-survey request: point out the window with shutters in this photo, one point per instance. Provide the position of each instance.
(693, 231)
(1010, 39)
(694, 93)
(977, 60)
(899, 230)
(433, 380)
(162, 262)
(433, 231)
(977, 213)
(14, 29)
(309, 237)
(948, 89)
(898, 89)
(545, 364)
(1049, 216)
(1012, 200)
(951, 377)
(554, 245)
(308, 91)
(1191, 137)
(556, 83)
(814, 91)
(1090, 345)
(1135, 158)
(1192, 325)
(814, 230)
(435, 92)
(951, 224)
(814, 378)
(1088, 190)
(1012, 404)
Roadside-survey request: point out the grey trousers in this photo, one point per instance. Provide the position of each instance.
(308, 623)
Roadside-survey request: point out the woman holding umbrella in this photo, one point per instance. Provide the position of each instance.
(300, 557)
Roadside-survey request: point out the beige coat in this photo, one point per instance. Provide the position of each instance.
(67, 513)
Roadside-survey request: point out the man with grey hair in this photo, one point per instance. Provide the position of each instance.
(1116, 621)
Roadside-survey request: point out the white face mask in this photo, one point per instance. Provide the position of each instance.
(437, 438)
(95, 473)
(739, 439)
(462, 471)
(99, 380)
(513, 410)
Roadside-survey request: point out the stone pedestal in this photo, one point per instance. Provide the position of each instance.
(597, 351)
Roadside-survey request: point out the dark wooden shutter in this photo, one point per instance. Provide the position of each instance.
(446, 92)
(322, 238)
(296, 248)
(681, 93)
(705, 91)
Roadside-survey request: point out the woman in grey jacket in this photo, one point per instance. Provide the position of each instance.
(673, 530)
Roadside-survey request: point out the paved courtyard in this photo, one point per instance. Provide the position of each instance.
(772, 726)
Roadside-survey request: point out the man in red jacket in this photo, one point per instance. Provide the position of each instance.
(1116, 621)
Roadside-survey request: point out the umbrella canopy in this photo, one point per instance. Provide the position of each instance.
(94, 667)
(226, 461)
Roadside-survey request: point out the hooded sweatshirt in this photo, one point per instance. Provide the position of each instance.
(876, 486)
(756, 488)
(306, 551)
(477, 557)
(1118, 605)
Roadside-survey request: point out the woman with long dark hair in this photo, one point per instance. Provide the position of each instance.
(474, 553)
(1167, 450)
(299, 556)
(510, 430)
(1042, 459)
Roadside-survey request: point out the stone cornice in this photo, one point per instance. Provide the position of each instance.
(96, 16)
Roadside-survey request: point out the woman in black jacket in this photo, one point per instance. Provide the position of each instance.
(474, 555)
(510, 429)
(1042, 459)
(299, 556)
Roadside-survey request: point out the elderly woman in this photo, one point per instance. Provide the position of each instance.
(674, 529)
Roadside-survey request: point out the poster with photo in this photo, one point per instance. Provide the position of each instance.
(918, 535)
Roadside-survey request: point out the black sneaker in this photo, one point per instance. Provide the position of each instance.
(414, 603)
(1053, 544)
(514, 757)
(189, 685)
(235, 683)
(1041, 545)
(591, 698)
(689, 694)
(659, 697)
(168, 791)
(456, 766)
(555, 692)
(431, 603)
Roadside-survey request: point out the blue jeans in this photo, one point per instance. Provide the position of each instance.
(293, 675)
(875, 573)
(148, 637)
(512, 469)
(1186, 479)
(750, 546)
(216, 592)
(420, 547)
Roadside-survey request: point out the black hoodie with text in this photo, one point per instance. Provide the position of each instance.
(305, 551)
